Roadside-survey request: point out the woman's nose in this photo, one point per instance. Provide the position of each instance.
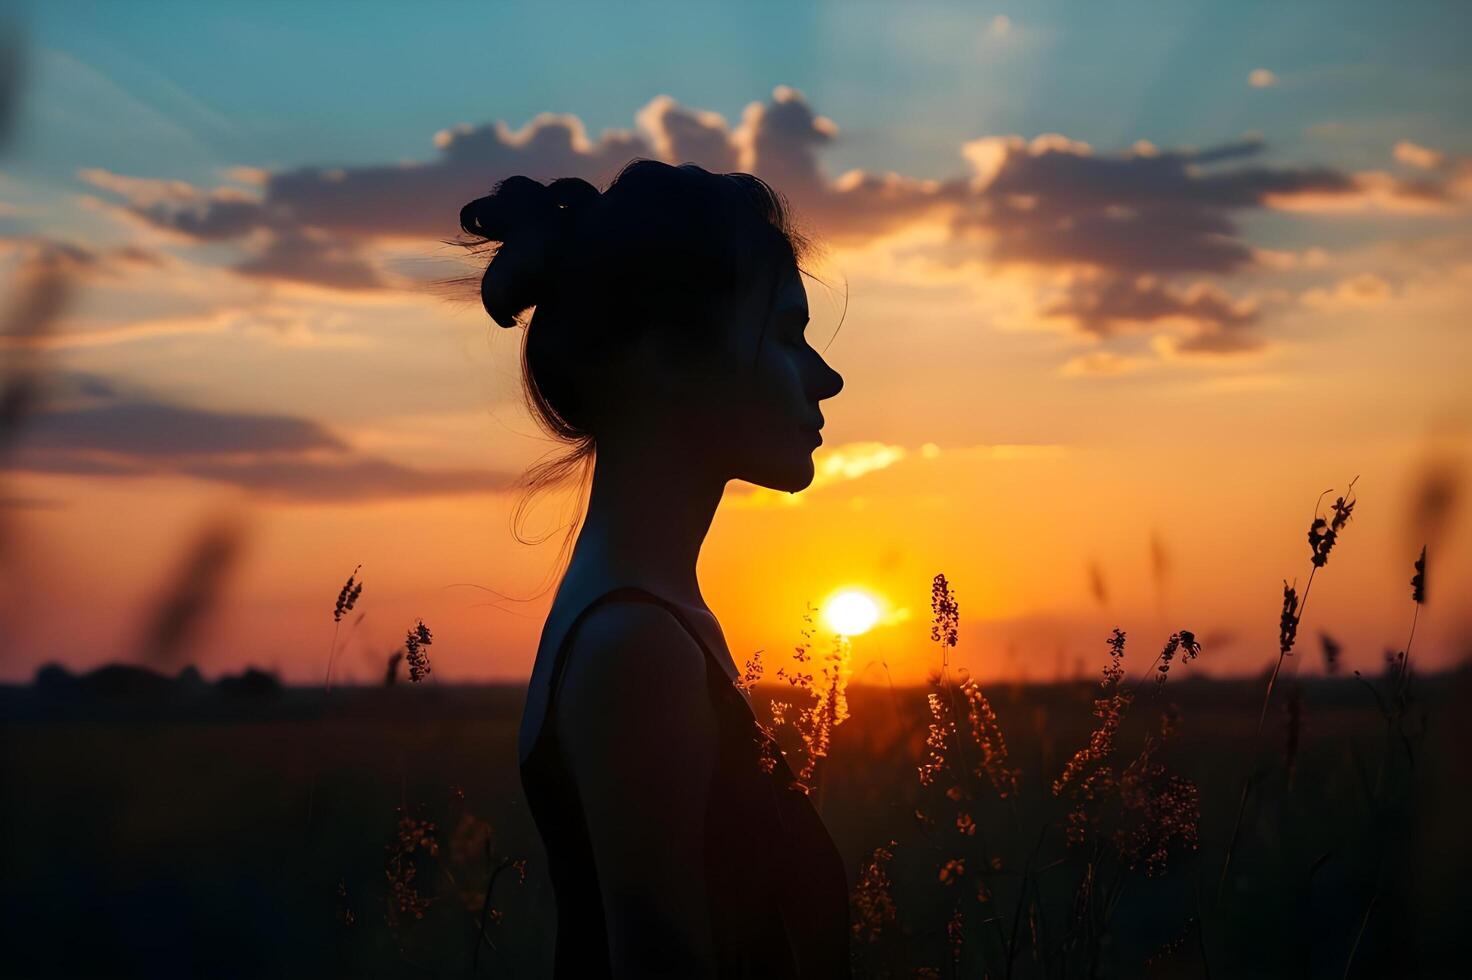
(834, 382)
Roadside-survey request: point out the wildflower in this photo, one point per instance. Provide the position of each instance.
(830, 709)
(1288, 621)
(1160, 808)
(1115, 671)
(1418, 595)
(988, 736)
(945, 625)
(800, 653)
(1418, 581)
(414, 642)
(752, 674)
(347, 596)
(1077, 830)
(767, 744)
(1185, 641)
(935, 739)
(1109, 710)
(412, 836)
(873, 898)
(1323, 533)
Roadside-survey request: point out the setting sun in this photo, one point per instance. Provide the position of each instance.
(851, 612)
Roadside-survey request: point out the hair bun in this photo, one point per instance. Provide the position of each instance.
(519, 203)
(527, 217)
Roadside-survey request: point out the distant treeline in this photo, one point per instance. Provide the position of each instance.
(128, 691)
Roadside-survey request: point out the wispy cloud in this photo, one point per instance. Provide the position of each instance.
(89, 426)
(854, 460)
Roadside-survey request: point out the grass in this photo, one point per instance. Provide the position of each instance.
(1152, 824)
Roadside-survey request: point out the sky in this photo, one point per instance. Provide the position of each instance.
(1118, 291)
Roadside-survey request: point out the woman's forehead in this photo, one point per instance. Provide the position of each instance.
(790, 293)
(791, 290)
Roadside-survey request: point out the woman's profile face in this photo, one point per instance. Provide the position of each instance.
(762, 397)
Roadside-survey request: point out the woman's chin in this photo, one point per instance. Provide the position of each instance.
(790, 475)
(796, 477)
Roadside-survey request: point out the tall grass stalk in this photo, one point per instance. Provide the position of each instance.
(347, 597)
(1322, 535)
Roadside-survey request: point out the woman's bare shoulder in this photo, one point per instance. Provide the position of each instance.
(638, 734)
(632, 674)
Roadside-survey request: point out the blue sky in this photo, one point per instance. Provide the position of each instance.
(280, 84)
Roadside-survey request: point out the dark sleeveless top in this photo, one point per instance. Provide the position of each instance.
(776, 884)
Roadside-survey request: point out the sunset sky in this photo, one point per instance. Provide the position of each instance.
(1127, 287)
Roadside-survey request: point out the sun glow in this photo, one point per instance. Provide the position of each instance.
(851, 612)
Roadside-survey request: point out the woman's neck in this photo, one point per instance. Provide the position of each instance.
(649, 510)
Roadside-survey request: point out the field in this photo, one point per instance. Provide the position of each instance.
(161, 828)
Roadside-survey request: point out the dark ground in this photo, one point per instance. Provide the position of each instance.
(160, 828)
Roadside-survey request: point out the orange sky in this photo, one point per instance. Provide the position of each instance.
(958, 445)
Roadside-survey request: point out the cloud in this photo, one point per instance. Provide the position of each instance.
(315, 223)
(92, 427)
(1215, 341)
(839, 464)
(1112, 305)
(1050, 203)
(854, 460)
(269, 320)
(1102, 363)
(309, 256)
(1049, 200)
(344, 481)
(1440, 184)
(1365, 289)
(996, 451)
(1415, 155)
(679, 133)
(1261, 78)
(149, 430)
(282, 246)
(1053, 201)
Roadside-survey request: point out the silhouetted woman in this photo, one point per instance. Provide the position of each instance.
(666, 345)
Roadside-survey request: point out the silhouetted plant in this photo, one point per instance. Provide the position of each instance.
(417, 656)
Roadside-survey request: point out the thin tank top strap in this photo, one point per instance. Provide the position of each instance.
(634, 592)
